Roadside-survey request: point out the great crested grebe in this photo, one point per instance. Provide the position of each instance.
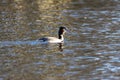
(60, 38)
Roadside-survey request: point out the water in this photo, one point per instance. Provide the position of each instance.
(91, 49)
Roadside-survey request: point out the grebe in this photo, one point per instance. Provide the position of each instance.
(60, 38)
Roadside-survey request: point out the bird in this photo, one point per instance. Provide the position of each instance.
(60, 38)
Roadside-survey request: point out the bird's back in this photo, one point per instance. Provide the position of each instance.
(51, 40)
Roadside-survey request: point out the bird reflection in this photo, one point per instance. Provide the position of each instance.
(55, 47)
(61, 47)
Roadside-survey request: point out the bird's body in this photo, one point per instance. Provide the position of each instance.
(60, 38)
(51, 40)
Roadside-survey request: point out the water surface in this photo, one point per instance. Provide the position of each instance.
(91, 49)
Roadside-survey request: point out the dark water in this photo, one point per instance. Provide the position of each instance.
(91, 50)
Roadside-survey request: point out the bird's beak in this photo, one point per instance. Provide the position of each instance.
(67, 30)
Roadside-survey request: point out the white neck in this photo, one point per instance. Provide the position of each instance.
(62, 38)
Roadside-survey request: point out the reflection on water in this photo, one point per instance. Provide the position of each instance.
(61, 46)
(91, 49)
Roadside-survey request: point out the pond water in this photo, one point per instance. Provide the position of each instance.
(91, 50)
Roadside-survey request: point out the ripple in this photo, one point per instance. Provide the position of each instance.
(13, 43)
(112, 68)
(39, 63)
(78, 67)
(88, 58)
(114, 59)
(113, 36)
(108, 52)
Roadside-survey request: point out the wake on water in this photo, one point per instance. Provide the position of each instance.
(13, 43)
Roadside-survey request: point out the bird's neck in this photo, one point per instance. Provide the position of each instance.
(61, 37)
